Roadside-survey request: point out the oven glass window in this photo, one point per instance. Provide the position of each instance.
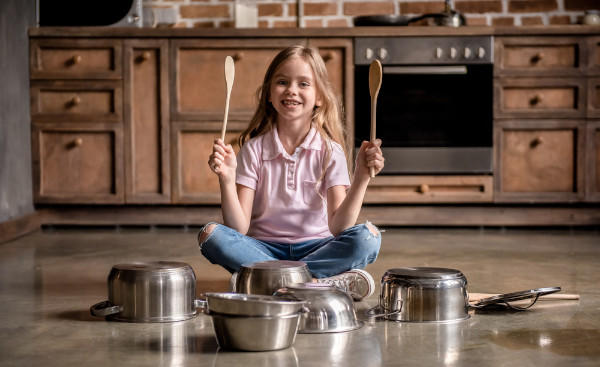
(427, 110)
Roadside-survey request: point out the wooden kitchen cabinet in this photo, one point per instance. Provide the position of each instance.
(539, 160)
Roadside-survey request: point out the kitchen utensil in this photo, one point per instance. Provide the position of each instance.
(507, 298)
(266, 277)
(450, 17)
(375, 74)
(385, 20)
(475, 297)
(422, 294)
(229, 76)
(255, 333)
(156, 291)
(250, 305)
(330, 309)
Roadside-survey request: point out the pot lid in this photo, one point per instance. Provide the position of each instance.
(424, 273)
(533, 294)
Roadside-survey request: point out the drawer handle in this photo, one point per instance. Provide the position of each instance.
(535, 100)
(145, 56)
(77, 142)
(537, 141)
(74, 101)
(328, 56)
(76, 59)
(238, 56)
(424, 188)
(537, 57)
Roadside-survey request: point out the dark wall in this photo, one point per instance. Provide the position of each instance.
(16, 199)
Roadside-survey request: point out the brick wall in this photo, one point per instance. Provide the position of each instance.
(339, 13)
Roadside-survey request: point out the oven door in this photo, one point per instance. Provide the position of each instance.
(431, 118)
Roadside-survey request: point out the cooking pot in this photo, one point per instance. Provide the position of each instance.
(422, 294)
(157, 291)
(266, 277)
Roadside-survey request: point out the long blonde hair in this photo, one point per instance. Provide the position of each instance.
(327, 118)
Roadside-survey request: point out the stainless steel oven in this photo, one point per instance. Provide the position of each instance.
(434, 110)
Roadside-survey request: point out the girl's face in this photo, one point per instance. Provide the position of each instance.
(293, 91)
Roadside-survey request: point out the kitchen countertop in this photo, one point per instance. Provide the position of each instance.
(561, 30)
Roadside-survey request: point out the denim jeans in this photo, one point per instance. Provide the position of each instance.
(354, 248)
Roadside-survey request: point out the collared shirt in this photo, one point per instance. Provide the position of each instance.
(287, 207)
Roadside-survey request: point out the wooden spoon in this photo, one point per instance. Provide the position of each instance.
(374, 85)
(229, 74)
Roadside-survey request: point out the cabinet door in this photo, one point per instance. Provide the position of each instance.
(593, 165)
(198, 81)
(594, 56)
(539, 161)
(593, 106)
(75, 164)
(146, 122)
(193, 181)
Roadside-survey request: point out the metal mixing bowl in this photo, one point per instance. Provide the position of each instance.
(251, 304)
(266, 277)
(331, 310)
(255, 333)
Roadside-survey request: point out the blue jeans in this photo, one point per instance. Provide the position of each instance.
(354, 248)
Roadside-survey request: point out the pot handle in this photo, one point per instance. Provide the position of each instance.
(201, 303)
(376, 311)
(105, 308)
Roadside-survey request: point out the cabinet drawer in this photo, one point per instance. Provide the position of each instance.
(75, 59)
(77, 165)
(540, 97)
(539, 56)
(76, 101)
(538, 161)
(429, 189)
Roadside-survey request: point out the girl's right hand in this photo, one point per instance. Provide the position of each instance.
(222, 161)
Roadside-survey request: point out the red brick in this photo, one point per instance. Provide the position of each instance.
(477, 21)
(503, 21)
(525, 6)
(479, 7)
(421, 7)
(263, 24)
(270, 10)
(203, 25)
(369, 8)
(581, 4)
(313, 23)
(292, 10)
(532, 21)
(285, 24)
(560, 19)
(320, 9)
(338, 23)
(204, 11)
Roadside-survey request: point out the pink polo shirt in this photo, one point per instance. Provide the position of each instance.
(287, 207)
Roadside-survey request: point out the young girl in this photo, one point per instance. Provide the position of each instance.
(287, 196)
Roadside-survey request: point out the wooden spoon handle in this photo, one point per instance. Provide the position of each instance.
(229, 76)
(375, 75)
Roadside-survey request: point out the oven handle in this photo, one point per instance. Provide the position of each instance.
(445, 69)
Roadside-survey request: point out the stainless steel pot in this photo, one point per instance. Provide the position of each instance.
(251, 304)
(423, 295)
(266, 277)
(157, 291)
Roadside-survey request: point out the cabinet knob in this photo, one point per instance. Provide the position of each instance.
(238, 56)
(144, 56)
(76, 59)
(328, 56)
(537, 57)
(536, 100)
(75, 101)
(537, 141)
(424, 188)
(75, 143)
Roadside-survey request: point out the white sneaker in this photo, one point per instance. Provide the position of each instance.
(358, 283)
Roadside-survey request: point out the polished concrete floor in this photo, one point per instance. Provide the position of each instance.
(50, 278)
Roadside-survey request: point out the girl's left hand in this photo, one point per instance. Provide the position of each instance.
(369, 155)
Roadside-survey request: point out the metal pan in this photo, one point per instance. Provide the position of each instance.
(507, 298)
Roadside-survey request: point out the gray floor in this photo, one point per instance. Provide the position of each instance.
(49, 279)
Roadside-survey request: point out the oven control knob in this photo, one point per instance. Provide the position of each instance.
(439, 53)
(481, 52)
(453, 53)
(382, 53)
(369, 54)
(467, 53)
